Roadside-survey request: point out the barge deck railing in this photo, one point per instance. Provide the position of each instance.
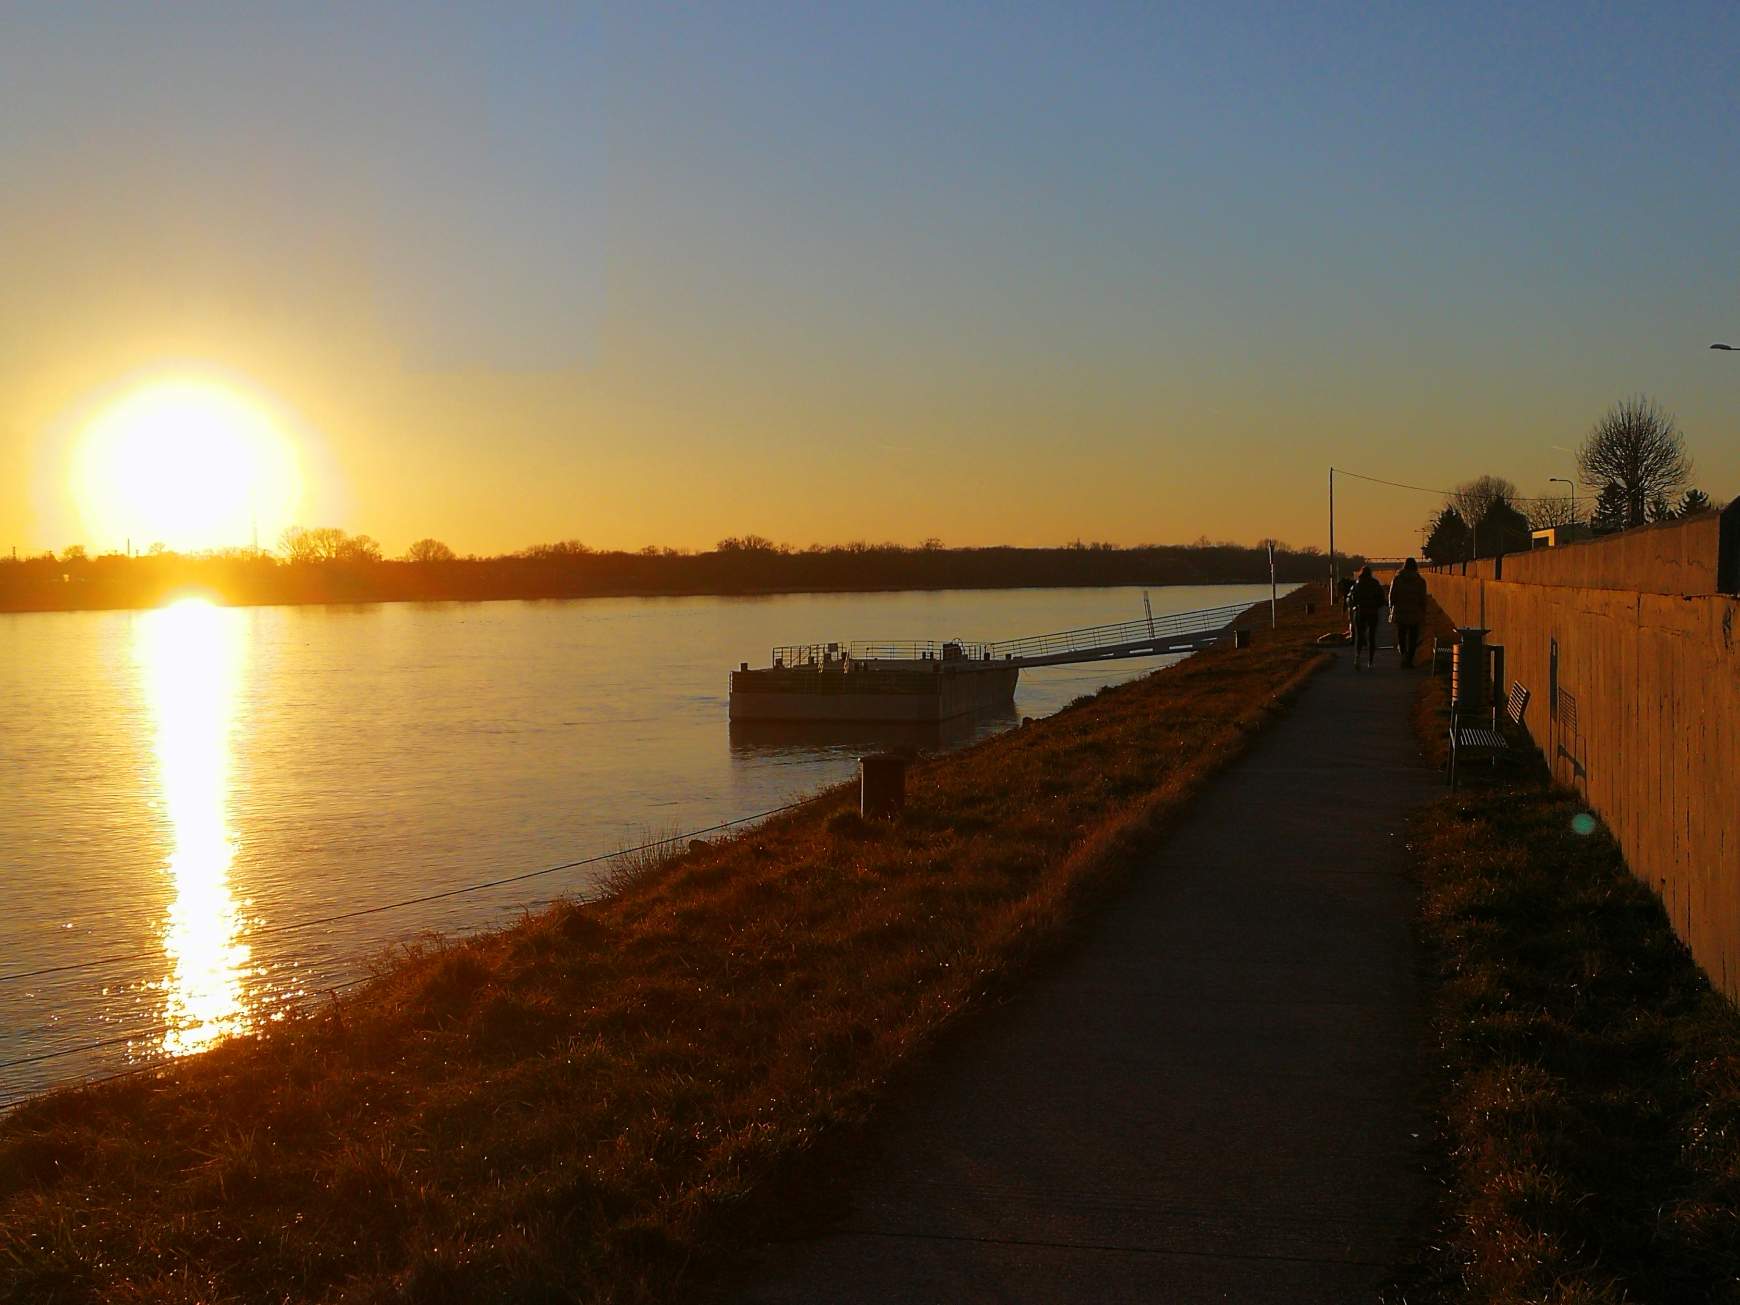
(1153, 636)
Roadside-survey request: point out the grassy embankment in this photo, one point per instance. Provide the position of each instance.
(606, 1099)
(1589, 1076)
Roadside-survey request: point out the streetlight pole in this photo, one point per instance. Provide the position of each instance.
(1560, 480)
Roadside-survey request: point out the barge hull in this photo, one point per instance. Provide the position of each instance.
(922, 696)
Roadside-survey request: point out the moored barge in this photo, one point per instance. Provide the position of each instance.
(921, 682)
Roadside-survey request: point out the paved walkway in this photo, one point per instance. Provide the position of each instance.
(1212, 1097)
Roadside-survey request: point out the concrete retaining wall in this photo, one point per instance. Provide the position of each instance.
(1645, 724)
(1675, 557)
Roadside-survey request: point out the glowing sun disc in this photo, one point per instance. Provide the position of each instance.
(186, 463)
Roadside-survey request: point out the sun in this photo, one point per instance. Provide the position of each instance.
(186, 463)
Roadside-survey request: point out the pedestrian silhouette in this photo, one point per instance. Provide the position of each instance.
(1366, 600)
(1408, 608)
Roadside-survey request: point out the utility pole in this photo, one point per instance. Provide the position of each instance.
(1274, 620)
(1334, 574)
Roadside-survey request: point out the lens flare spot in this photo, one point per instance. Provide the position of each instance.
(1583, 823)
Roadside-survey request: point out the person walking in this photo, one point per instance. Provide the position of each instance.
(1367, 601)
(1408, 608)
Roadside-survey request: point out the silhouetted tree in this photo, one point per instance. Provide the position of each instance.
(1637, 446)
(326, 544)
(1448, 540)
(1503, 529)
(1610, 511)
(1660, 509)
(1473, 499)
(1558, 511)
(566, 548)
(429, 550)
(749, 544)
(1474, 502)
(1694, 502)
(357, 548)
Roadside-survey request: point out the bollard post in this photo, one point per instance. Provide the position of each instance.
(881, 785)
(1241, 638)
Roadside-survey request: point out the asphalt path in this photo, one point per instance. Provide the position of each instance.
(1215, 1095)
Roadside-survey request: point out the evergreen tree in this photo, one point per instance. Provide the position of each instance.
(1612, 509)
(1448, 541)
(1502, 530)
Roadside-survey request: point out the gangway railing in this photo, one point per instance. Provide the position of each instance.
(1173, 632)
(1146, 637)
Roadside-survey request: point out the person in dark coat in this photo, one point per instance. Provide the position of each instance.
(1367, 601)
(1408, 608)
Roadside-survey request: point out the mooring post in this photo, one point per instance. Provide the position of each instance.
(881, 785)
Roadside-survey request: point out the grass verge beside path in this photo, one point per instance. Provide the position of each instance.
(601, 1102)
(1590, 1077)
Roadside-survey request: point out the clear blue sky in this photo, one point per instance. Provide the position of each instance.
(994, 273)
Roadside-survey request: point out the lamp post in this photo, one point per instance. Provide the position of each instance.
(1560, 480)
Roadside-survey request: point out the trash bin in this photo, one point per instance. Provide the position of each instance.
(1469, 688)
(881, 785)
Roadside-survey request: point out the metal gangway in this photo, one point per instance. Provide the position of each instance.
(1150, 636)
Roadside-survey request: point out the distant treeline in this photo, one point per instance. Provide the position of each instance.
(349, 569)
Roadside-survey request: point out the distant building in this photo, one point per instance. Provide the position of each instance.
(1554, 536)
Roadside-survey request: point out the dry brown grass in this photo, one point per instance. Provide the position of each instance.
(1589, 1076)
(604, 1100)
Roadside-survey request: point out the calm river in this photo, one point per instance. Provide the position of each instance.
(189, 793)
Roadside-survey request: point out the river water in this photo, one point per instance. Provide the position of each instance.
(190, 793)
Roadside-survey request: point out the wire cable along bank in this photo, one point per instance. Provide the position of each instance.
(928, 682)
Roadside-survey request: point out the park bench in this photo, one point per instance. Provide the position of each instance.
(1482, 742)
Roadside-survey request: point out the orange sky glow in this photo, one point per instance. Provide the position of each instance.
(632, 283)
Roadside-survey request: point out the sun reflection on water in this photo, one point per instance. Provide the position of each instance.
(191, 654)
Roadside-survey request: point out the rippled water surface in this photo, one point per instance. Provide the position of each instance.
(189, 793)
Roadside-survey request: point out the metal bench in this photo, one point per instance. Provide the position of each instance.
(1482, 742)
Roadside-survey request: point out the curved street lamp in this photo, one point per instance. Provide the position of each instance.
(1560, 480)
